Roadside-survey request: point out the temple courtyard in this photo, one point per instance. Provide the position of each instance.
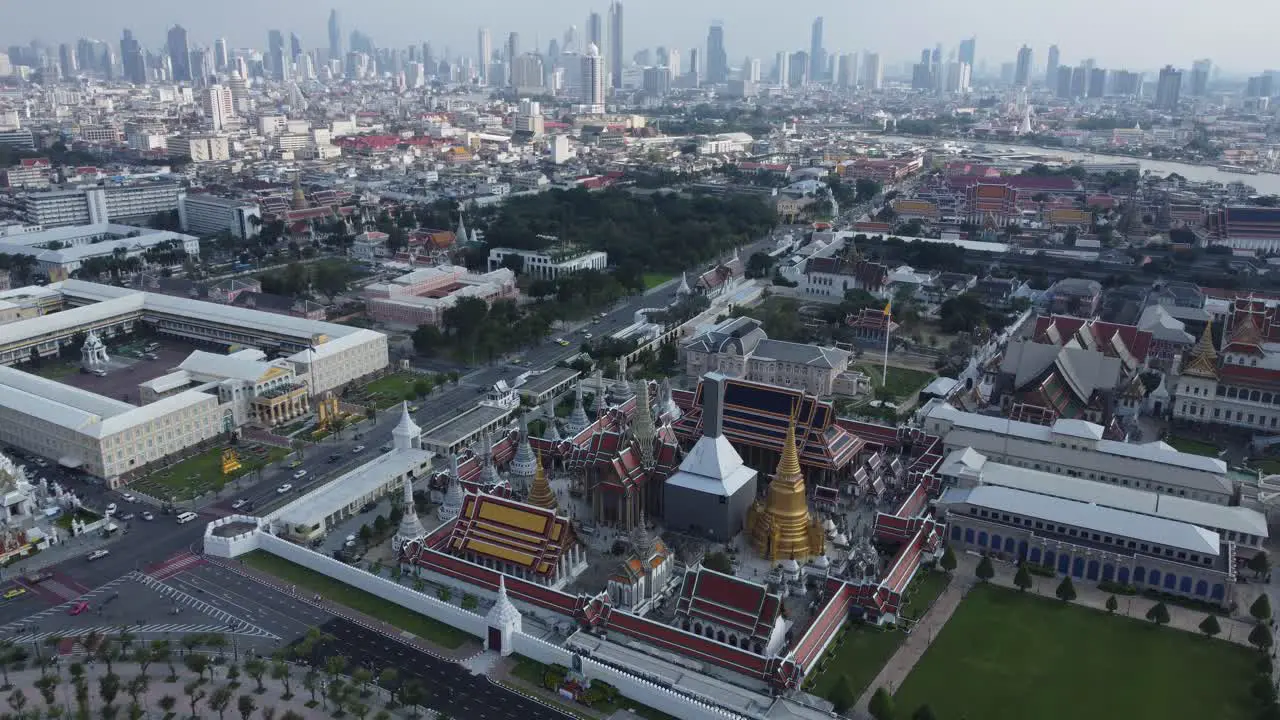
(1005, 655)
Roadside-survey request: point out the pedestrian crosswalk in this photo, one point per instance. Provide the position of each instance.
(232, 623)
(18, 625)
(175, 565)
(137, 630)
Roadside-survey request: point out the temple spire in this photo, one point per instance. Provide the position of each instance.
(410, 526)
(541, 493)
(789, 464)
(1203, 361)
(453, 495)
(642, 428)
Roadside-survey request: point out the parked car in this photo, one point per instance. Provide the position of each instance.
(128, 497)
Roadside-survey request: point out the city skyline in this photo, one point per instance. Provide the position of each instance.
(1001, 27)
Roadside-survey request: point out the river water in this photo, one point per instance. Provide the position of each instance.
(1265, 183)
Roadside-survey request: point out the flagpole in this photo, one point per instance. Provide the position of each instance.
(888, 321)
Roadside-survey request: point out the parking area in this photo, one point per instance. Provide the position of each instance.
(128, 367)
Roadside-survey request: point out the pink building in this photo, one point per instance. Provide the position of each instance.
(421, 297)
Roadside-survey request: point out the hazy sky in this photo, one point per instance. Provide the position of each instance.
(1138, 34)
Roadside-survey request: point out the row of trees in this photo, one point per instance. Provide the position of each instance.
(329, 278)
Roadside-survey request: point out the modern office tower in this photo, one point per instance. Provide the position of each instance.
(657, 80)
(717, 57)
(179, 54)
(306, 70)
(696, 71)
(221, 57)
(1097, 83)
(201, 66)
(1051, 68)
(1200, 71)
(920, 79)
(484, 52)
(595, 30)
(615, 44)
(799, 66)
(1124, 82)
(873, 77)
(1062, 83)
(967, 49)
(277, 56)
(131, 58)
(1168, 88)
(335, 36)
(219, 106)
(782, 69)
(527, 72)
(958, 77)
(593, 79)
(1022, 71)
(570, 43)
(673, 62)
(67, 61)
(846, 77)
(295, 47)
(1079, 81)
(817, 55)
(1259, 86)
(751, 70)
(513, 50)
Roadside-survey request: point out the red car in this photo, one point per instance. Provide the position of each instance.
(78, 608)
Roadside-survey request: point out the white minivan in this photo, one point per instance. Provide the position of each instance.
(186, 517)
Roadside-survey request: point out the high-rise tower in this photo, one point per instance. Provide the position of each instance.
(717, 58)
(1051, 67)
(615, 44)
(1022, 71)
(335, 36)
(179, 54)
(593, 80)
(484, 49)
(132, 60)
(817, 55)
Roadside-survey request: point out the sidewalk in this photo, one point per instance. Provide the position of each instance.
(1134, 606)
(921, 637)
(456, 655)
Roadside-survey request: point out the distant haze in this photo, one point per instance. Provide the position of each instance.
(1237, 34)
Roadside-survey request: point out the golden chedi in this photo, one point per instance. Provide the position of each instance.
(780, 525)
(540, 493)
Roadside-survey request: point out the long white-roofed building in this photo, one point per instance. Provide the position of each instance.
(1077, 448)
(1090, 542)
(210, 393)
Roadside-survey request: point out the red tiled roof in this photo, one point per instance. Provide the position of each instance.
(728, 601)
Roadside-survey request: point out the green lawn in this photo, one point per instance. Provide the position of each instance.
(202, 473)
(1193, 446)
(858, 653)
(924, 589)
(653, 280)
(902, 383)
(356, 599)
(1009, 656)
(53, 369)
(390, 389)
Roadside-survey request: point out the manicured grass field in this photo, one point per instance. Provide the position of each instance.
(653, 280)
(859, 657)
(389, 389)
(356, 599)
(924, 589)
(202, 473)
(53, 369)
(902, 383)
(1195, 447)
(1009, 656)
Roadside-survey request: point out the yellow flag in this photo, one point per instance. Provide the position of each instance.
(888, 307)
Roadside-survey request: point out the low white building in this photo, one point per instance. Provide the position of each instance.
(59, 251)
(548, 265)
(251, 388)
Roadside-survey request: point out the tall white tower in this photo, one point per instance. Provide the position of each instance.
(593, 80)
(484, 49)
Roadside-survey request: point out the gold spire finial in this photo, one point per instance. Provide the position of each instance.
(1203, 361)
(540, 492)
(789, 465)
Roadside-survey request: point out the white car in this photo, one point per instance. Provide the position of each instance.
(99, 553)
(239, 504)
(300, 474)
(284, 488)
(148, 516)
(357, 450)
(128, 497)
(111, 509)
